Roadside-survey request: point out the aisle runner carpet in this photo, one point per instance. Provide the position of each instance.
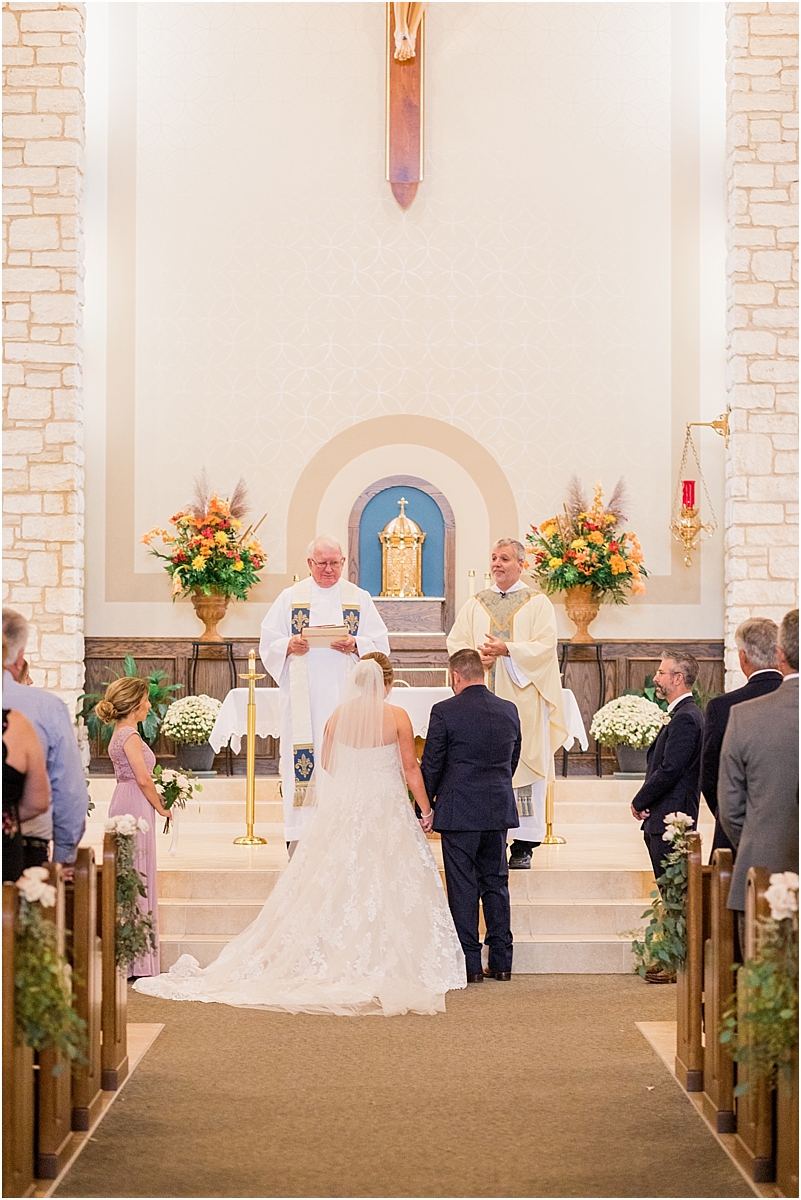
(538, 1087)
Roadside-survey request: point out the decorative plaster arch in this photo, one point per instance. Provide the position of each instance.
(322, 468)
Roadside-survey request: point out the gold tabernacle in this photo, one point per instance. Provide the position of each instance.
(402, 556)
(250, 838)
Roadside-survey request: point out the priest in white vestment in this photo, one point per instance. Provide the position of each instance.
(514, 631)
(312, 680)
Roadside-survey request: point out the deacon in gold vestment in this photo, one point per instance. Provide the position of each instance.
(514, 631)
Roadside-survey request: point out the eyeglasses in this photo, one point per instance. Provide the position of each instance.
(333, 563)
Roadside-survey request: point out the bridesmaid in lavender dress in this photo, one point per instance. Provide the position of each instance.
(126, 703)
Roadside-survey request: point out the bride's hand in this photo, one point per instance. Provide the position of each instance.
(427, 821)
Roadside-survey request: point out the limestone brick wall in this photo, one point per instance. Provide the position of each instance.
(762, 299)
(43, 150)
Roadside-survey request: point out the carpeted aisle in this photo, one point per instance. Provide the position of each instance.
(538, 1087)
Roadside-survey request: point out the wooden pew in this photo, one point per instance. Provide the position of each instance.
(690, 980)
(787, 1130)
(719, 984)
(53, 1090)
(87, 965)
(114, 1052)
(17, 1070)
(753, 1142)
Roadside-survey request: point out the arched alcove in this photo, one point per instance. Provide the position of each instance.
(390, 483)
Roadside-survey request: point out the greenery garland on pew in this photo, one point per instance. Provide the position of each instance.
(664, 943)
(764, 1034)
(134, 929)
(44, 1011)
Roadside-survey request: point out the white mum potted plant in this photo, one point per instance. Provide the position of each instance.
(188, 722)
(628, 724)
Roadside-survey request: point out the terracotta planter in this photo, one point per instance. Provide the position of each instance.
(582, 608)
(210, 610)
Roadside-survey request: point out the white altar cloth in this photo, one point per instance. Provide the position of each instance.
(232, 719)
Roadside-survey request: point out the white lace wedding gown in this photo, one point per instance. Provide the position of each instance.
(358, 922)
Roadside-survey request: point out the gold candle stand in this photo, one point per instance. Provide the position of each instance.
(250, 838)
(551, 838)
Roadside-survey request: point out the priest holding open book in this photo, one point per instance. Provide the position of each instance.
(309, 638)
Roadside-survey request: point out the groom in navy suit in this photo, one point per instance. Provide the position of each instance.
(471, 753)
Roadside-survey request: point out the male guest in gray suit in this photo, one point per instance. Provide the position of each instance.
(758, 784)
(756, 645)
(672, 774)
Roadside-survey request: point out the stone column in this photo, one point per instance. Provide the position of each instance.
(43, 151)
(762, 299)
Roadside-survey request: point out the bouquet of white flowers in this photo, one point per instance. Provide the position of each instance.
(190, 720)
(628, 721)
(174, 788)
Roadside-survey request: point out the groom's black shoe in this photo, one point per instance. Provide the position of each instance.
(476, 978)
(502, 976)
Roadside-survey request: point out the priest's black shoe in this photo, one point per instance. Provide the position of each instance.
(476, 978)
(502, 976)
(520, 862)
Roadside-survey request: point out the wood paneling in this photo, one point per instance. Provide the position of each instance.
(412, 616)
(419, 657)
(104, 659)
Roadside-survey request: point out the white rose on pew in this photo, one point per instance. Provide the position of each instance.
(125, 825)
(33, 888)
(142, 825)
(676, 825)
(782, 895)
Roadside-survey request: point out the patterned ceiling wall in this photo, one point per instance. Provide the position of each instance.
(281, 296)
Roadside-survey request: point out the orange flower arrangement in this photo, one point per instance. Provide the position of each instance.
(584, 545)
(206, 552)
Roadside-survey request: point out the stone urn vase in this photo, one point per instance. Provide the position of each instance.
(195, 758)
(211, 610)
(582, 608)
(630, 760)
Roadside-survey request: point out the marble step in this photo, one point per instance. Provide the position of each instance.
(558, 955)
(603, 885)
(576, 801)
(530, 918)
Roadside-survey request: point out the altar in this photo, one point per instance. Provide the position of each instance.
(231, 724)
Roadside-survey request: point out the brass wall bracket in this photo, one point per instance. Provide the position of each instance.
(720, 426)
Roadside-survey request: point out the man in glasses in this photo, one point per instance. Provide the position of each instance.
(311, 670)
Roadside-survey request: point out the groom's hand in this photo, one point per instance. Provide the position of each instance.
(345, 645)
(297, 645)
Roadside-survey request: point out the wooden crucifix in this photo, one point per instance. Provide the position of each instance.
(405, 95)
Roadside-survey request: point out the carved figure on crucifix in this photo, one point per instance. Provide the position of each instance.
(407, 22)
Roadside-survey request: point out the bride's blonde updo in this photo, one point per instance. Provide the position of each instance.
(384, 664)
(122, 697)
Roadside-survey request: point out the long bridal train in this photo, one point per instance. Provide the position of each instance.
(357, 923)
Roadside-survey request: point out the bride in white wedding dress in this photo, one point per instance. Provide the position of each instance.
(358, 921)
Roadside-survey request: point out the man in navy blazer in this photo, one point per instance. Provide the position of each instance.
(757, 643)
(672, 775)
(471, 753)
